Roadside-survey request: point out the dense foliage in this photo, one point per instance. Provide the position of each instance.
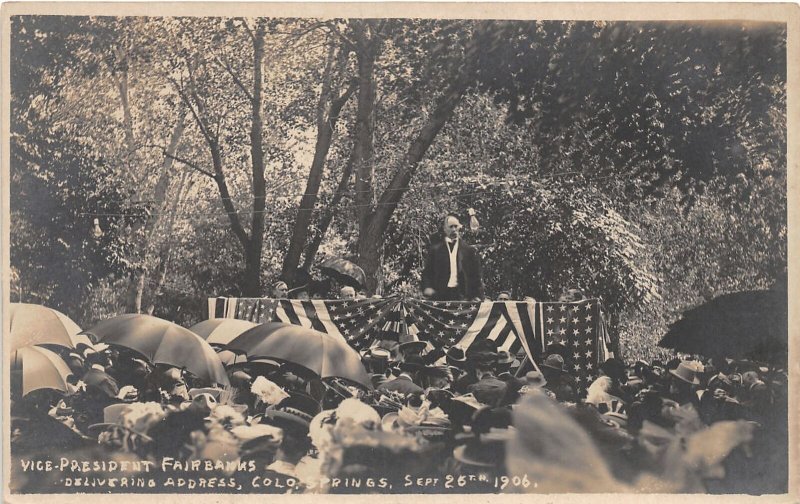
(644, 163)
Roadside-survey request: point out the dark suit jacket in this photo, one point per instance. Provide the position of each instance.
(437, 268)
(401, 384)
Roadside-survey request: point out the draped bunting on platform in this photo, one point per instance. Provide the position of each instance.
(513, 325)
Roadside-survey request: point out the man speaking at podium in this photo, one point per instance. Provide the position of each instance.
(452, 268)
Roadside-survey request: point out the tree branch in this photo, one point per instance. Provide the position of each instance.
(186, 162)
(235, 78)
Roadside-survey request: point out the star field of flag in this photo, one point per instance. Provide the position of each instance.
(577, 326)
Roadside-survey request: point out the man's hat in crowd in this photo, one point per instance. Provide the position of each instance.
(556, 348)
(377, 354)
(535, 379)
(412, 363)
(455, 356)
(555, 362)
(485, 450)
(686, 373)
(506, 361)
(412, 347)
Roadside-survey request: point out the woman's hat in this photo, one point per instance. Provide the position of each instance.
(686, 373)
(113, 416)
(293, 413)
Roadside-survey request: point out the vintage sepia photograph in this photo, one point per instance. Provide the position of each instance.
(267, 252)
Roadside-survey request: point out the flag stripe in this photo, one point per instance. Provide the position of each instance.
(289, 313)
(311, 312)
(325, 318)
(491, 322)
(483, 313)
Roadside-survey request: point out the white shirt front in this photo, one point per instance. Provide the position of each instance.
(453, 280)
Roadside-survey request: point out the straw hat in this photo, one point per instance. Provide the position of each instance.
(686, 373)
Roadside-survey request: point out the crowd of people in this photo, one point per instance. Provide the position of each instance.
(475, 420)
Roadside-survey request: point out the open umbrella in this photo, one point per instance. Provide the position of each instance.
(323, 354)
(162, 342)
(221, 331)
(748, 325)
(344, 271)
(39, 368)
(33, 324)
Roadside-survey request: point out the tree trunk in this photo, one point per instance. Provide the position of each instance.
(330, 211)
(139, 281)
(166, 249)
(370, 244)
(327, 116)
(368, 47)
(251, 286)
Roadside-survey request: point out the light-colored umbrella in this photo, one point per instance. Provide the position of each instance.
(221, 331)
(162, 342)
(33, 324)
(323, 354)
(40, 369)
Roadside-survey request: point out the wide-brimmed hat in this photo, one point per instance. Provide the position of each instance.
(455, 356)
(482, 346)
(113, 416)
(535, 379)
(486, 450)
(555, 362)
(505, 358)
(616, 414)
(293, 413)
(411, 347)
(258, 438)
(463, 407)
(686, 373)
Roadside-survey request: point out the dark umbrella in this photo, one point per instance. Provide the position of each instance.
(748, 325)
(162, 342)
(321, 353)
(344, 271)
